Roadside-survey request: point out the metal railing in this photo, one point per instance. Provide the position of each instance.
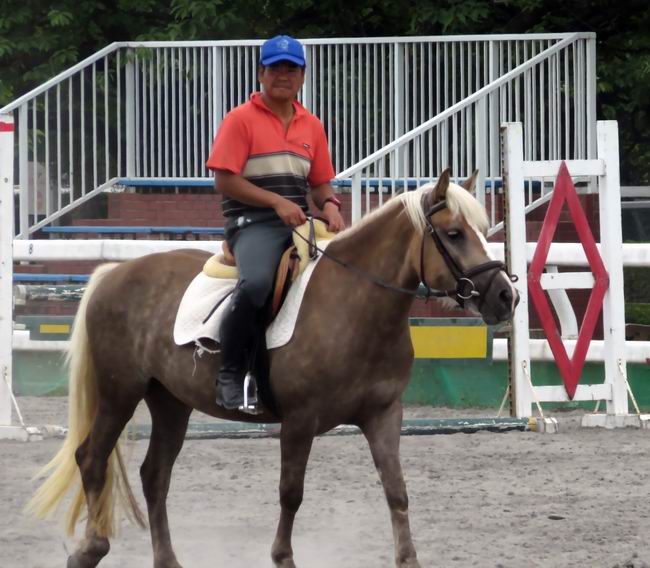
(551, 93)
(151, 109)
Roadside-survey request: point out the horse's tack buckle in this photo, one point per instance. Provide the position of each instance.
(251, 402)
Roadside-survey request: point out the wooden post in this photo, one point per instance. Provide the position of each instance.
(611, 242)
(519, 350)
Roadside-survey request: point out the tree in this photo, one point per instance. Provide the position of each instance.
(39, 39)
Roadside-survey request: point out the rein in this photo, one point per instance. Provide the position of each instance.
(314, 249)
(465, 287)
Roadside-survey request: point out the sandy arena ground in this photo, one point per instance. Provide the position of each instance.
(576, 499)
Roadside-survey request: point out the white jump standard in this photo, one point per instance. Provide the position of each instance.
(615, 388)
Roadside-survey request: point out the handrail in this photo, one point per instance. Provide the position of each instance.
(365, 40)
(468, 101)
(62, 76)
(255, 42)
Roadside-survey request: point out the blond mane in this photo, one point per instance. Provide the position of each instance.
(459, 202)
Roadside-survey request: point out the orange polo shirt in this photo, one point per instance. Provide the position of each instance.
(252, 142)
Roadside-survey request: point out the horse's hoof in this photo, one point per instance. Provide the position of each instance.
(167, 562)
(286, 563)
(409, 563)
(89, 554)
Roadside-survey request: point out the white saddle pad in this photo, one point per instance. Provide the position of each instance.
(205, 292)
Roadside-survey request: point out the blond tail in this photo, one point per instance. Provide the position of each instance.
(63, 469)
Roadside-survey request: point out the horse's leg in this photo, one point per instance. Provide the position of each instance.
(92, 458)
(383, 434)
(295, 444)
(169, 423)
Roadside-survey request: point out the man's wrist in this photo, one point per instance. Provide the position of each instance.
(276, 199)
(332, 201)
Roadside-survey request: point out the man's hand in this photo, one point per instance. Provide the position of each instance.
(289, 212)
(333, 216)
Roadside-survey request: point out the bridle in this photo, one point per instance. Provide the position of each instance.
(465, 287)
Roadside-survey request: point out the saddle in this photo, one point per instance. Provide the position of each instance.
(293, 262)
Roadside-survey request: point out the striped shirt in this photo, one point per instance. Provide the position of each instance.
(252, 142)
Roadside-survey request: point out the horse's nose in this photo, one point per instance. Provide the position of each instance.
(505, 296)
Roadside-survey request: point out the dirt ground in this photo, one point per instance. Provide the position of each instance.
(510, 500)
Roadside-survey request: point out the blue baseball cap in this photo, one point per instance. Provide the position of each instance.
(282, 48)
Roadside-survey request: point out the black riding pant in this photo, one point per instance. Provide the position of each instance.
(258, 247)
(258, 244)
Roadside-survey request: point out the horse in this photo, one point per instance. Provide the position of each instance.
(348, 362)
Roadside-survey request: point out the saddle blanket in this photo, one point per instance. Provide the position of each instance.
(205, 292)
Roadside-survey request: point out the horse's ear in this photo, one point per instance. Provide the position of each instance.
(439, 192)
(470, 183)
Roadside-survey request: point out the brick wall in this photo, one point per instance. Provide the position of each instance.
(163, 210)
(47, 307)
(58, 267)
(170, 210)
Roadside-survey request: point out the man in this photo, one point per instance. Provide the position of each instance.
(267, 155)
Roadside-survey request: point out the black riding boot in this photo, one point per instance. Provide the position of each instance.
(237, 333)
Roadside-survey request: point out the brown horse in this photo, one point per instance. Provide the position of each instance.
(347, 363)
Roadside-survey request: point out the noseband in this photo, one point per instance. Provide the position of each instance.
(465, 286)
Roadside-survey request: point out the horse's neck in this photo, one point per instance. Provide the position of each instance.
(382, 247)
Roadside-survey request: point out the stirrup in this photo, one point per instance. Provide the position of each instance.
(251, 401)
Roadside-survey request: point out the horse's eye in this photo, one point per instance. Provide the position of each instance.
(454, 234)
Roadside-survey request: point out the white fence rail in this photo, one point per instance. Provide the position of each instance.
(151, 109)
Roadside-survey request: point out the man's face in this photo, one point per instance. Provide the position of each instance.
(282, 80)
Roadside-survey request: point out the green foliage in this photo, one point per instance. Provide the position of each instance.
(637, 313)
(448, 17)
(39, 40)
(59, 18)
(637, 284)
